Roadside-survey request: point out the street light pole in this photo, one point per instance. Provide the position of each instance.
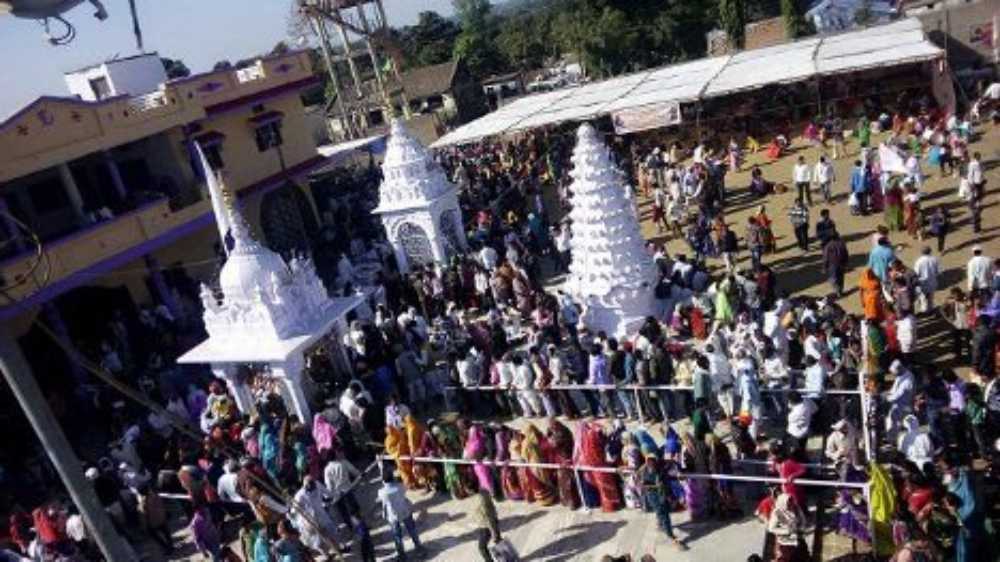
(22, 382)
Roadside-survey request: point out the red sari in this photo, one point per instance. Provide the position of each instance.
(538, 483)
(593, 455)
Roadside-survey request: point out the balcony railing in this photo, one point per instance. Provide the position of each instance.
(82, 248)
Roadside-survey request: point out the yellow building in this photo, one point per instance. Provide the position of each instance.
(108, 182)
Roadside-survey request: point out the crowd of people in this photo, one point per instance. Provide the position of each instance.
(736, 369)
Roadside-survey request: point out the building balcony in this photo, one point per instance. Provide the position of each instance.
(112, 243)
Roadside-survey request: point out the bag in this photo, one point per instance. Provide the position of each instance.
(503, 551)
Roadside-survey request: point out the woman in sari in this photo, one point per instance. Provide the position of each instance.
(894, 207)
(509, 482)
(767, 233)
(539, 480)
(591, 498)
(912, 216)
(451, 448)
(397, 446)
(694, 458)
(560, 441)
(516, 455)
(428, 473)
(870, 290)
(720, 461)
(632, 459)
(593, 451)
(475, 450)
(414, 432)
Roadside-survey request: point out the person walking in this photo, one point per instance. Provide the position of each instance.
(207, 538)
(489, 524)
(398, 512)
(979, 271)
(798, 215)
(755, 242)
(974, 176)
(802, 177)
(926, 268)
(835, 259)
(859, 188)
(824, 175)
(825, 227)
(655, 494)
(938, 226)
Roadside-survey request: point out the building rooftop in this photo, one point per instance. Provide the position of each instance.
(115, 58)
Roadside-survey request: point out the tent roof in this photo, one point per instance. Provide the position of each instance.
(896, 43)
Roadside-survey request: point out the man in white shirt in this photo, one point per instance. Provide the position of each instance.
(974, 172)
(468, 370)
(226, 485)
(824, 175)
(800, 417)
(801, 176)
(338, 475)
(815, 375)
(979, 271)
(722, 379)
(524, 382)
(899, 397)
(488, 257)
(927, 268)
(398, 512)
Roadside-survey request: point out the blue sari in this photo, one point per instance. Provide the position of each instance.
(969, 544)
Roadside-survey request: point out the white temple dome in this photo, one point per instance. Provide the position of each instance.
(411, 176)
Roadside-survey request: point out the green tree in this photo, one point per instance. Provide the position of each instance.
(175, 68)
(430, 41)
(222, 65)
(474, 14)
(280, 48)
(733, 20)
(479, 53)
(795, 21)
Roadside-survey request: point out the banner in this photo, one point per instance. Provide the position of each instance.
(890, 159)
(646, 117)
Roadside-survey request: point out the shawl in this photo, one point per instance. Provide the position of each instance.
(395, 442)
(324, 434)
(883, 507)
(531, 450)
(561, 441)
(475, 445)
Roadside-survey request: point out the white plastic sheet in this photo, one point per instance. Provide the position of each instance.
(896, 43)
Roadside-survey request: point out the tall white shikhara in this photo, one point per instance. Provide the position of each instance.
(611, 274)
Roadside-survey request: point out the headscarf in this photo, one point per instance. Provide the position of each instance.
(672, 446)
(324, 434)
(475, 445)
(915, 444)
(696, 450)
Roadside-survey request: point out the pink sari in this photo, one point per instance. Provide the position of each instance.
(475, 450)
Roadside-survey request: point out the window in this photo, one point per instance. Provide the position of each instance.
(100, 87)
(268, 136)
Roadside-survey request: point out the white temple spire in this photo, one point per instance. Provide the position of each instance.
(215, 194)
(610, 274)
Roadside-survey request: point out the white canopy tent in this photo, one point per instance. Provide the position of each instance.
(900, 42)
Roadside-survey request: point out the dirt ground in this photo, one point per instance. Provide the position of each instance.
(802, 273)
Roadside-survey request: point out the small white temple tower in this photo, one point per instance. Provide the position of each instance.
(418, 205)
(270, 313)
(611, 274)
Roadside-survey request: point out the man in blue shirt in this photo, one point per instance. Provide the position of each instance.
(880, 258)
(859, 186)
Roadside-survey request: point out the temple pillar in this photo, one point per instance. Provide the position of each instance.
(238, 389)
(54, 319)
(116, 176)
(163, 292)
(290, 372)
(72, 191)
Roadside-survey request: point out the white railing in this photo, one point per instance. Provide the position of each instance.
(250, 73)
(148, 101)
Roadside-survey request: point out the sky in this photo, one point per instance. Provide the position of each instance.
(200, 32)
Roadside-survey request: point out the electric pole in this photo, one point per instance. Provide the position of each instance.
(22, 382)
